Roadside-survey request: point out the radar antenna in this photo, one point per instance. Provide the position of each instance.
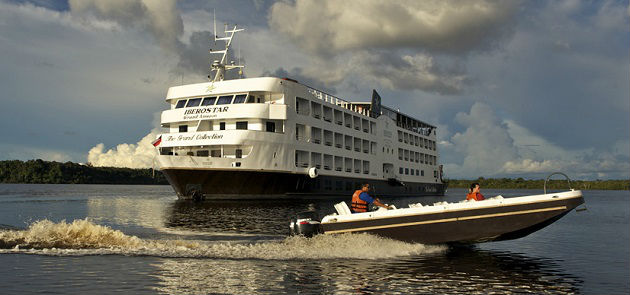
(221, 66)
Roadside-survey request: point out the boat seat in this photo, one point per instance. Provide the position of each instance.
(342, 208)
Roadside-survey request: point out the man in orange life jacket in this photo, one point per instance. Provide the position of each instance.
(361, 199)
(474, 194)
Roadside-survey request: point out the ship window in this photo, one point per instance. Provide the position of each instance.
(202, 153)
(271, 127)
(222, 126)
(180, 103)
(183, 128)
(240, 98)
(215, 153)
(193, 102)
(239, 153)
(208, 101)
(251, 99)
(241, 125)
(226, 99)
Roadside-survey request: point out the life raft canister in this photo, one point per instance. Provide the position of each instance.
(358, 205)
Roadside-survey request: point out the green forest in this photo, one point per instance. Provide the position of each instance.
(39, 171)
(561, 183)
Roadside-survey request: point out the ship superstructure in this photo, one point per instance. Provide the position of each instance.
(273, 137)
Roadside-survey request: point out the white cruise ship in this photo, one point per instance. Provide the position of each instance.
(276, 138)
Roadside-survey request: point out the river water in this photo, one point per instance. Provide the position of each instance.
(95, 239)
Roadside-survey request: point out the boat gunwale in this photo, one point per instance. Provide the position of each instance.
(435, 209)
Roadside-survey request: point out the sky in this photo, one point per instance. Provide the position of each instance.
(516, 88)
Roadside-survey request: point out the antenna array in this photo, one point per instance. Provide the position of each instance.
(221, 66)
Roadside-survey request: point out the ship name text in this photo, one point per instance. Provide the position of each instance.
(194, 137)
(204, 113)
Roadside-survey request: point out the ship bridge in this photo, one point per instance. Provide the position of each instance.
(223, 119)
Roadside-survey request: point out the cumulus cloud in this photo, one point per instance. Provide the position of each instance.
(396, 44)
(485, 144)
(139, 155)
(330, 26)
(160, 17)
(162, 20)
(529, 166)
(496, 147)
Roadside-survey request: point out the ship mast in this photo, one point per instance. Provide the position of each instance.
(221, 66)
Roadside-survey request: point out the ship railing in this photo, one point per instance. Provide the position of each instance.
(337, 101)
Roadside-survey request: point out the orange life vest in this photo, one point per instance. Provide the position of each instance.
(358, 205)
(475, 196)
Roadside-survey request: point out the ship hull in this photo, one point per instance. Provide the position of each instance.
(226, 184)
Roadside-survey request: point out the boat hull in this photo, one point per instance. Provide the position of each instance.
(240, 184)
(472, 225)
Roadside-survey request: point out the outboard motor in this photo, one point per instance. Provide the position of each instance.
(306, 224)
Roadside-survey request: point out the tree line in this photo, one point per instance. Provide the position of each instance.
(39, 171)
(520, 183)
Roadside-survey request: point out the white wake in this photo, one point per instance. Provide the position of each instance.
(82, 237)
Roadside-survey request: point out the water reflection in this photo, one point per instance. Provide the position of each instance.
(459, 270)
(268, 217)
(250, 217)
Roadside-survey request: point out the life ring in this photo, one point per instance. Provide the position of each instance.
(312, 172)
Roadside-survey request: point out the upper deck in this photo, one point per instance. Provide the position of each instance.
(269, 90)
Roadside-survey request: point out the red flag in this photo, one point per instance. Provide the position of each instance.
(157, 141)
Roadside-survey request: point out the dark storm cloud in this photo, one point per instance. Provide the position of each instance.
(298, 75)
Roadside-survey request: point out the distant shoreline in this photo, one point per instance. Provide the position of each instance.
(50, 172)
(520, 183)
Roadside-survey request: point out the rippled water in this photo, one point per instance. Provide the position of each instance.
(86, 239)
